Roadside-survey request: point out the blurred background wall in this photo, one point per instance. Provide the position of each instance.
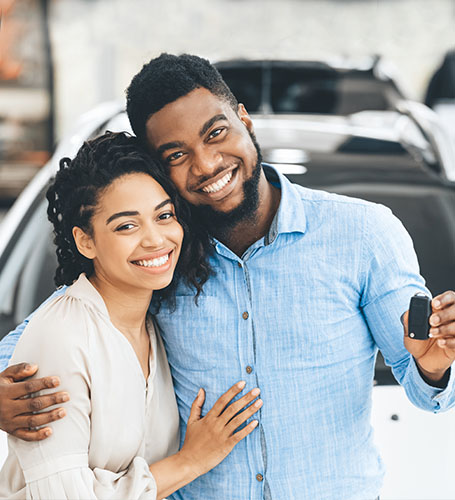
(100, 45)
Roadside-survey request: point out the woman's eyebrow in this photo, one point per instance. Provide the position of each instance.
(121, 214)
(163, 203)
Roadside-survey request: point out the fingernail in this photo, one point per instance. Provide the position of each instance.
(199, 392)
(65, 398)
(435, 320)
(255, 392)
(54, 381)
(61, 413)
(241, 384)
(436, 303)
(441, 342)
(258, 403)
(47, 432)
(254, 423)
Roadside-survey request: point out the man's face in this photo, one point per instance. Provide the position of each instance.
(207, 149)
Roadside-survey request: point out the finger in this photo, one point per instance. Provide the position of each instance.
(28, 435)
(20, 371)
(196, 407)
(443, 300)
(443, 316)
(21, 389)
(238, 436)
(244, 416)
(237, 406)
(448, 343)
(39, 403)
(34, 420)
(226, 398)
(443, 331)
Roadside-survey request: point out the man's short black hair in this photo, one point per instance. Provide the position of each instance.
(166, 78)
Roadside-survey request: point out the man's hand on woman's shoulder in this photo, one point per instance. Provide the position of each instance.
(21, 407)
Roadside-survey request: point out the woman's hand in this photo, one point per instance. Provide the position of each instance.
(211, 438)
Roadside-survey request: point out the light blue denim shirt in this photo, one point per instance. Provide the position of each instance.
(301, 315)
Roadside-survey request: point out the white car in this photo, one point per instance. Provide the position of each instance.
(340, 155)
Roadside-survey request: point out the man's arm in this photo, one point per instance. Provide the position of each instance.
(18, 403)
(435, 356)
(391, 278)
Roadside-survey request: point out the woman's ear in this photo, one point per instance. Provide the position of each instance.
(84, 243)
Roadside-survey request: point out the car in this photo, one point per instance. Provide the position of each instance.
(357, 155)
(334, 87)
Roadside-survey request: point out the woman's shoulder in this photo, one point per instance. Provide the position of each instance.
(63, 324)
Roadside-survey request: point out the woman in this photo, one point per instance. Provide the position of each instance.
(118, 227)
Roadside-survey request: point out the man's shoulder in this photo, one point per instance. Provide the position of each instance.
(311, 195)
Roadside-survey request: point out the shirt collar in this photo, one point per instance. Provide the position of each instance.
(290, 216)
(84, 290)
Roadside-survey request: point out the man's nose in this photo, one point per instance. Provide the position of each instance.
(206, 161)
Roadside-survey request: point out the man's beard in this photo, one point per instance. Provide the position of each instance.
(220, 224)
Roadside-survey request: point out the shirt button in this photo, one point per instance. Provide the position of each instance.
(249, 369)
(259, 477)
(245, 315)
(239, 264)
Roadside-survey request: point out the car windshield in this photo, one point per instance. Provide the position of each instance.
(272, 87)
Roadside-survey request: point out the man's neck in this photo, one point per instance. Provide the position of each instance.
(247, 232)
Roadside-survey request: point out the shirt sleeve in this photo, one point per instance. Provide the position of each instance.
(9, 342)
(391, 277)
(58, 340)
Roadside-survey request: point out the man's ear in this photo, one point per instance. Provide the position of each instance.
(84, 243)
(245, 117)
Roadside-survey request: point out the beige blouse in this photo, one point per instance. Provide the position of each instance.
(116, 423)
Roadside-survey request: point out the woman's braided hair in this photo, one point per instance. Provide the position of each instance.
(74, 194)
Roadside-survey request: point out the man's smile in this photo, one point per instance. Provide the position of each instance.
(219, 186)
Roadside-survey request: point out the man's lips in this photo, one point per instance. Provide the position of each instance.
(220, 186)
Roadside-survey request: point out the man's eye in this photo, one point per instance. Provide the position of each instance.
(216, 132)
(125, 227)
(174, 156)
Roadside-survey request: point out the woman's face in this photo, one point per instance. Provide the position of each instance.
(136, 239)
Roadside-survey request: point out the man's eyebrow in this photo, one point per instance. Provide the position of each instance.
(168, 145)
(121, 214)
(210, 122)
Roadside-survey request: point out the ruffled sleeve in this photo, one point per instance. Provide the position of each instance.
(58, 340)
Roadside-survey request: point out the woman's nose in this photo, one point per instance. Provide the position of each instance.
(152, 237)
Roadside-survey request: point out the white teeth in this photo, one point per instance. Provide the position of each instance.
(217, 186)
(160, 261)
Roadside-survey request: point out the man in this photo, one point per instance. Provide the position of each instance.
(307, 286)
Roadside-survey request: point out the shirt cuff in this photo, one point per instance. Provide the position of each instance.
(442, 398)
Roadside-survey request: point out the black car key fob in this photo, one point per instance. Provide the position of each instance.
(419, 315)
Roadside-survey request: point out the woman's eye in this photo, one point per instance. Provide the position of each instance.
(166, 215)
(125, 227)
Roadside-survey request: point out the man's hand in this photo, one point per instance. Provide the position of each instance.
(18, 404)
(435, 355)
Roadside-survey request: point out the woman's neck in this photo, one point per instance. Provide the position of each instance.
(127, 308)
